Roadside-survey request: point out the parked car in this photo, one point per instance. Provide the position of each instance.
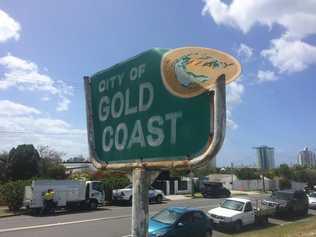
(234, 213)
(289, 202)
(125, 194)
(180, 222)
(215, 190)
(312, 200)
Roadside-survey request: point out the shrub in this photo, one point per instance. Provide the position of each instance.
(84, 176)
(284, 184)
(12, 193)
(247, 173)
(115, 181)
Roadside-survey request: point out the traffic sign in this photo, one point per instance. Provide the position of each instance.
(155, 106)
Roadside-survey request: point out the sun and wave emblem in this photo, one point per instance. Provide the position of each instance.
(188, 72)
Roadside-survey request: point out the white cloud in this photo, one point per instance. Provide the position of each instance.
(63, 104)
(289, 53)
(245, 52)
(45, 98)
(9, 108)
(234, 93)
(25, 75)
(23, 124)
(297, 17)
(230, 122)
(233, 97)
(9, 28)
(266, 76)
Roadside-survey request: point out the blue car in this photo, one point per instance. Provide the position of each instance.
(180, 222)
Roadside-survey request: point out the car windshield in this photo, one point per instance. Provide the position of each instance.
(167, 216)
(282, 195)
(313, 195)
(232, 205)
(130, 186)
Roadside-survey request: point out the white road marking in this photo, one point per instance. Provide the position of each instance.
(61, 224)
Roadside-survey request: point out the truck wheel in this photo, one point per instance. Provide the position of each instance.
(93, 205)
(159, 198)
(237, 226)
(265, 220)
(305, 212)
(35, 211)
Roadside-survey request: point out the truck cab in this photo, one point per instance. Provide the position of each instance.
(95, 195)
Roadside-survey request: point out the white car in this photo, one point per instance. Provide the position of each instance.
(125, 194)
(312, 200)
(234, 213)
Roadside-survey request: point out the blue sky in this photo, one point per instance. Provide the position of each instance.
(47, 47)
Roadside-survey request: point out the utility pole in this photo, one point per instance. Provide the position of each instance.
(263, 184)
(140, 202)
(232, 173)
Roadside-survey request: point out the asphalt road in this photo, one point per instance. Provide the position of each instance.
(111, 221)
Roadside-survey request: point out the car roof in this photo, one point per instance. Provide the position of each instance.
(238, 199)
(183, 209)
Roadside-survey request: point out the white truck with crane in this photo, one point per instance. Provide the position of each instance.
(68, 194)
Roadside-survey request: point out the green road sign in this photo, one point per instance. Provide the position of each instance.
(152, 107)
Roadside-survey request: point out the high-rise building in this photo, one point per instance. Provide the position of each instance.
(306, 158)
(265, 157)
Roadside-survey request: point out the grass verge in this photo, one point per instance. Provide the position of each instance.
(301, 228)
(196, 195)
(4, 212)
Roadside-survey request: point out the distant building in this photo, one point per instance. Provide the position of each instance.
(74, 167)
(265, 157)
(306, 158)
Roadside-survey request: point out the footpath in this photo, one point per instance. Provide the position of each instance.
(179, 197)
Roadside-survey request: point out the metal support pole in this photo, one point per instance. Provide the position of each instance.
(140, 202)
(192, 183)
(263, 184)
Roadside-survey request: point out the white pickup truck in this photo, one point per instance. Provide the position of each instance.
(234, 213)
(125, 194)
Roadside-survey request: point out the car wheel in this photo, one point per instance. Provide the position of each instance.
(159, 198)
(208, 233)
(130, 200)
(237, 226)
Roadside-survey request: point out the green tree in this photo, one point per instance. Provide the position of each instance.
(4, 161)
(284, 171)
(79, 158)
(56, 171)
(247, 173)
(51, 163)
(284, 183)
(24, 162)
(12, 193)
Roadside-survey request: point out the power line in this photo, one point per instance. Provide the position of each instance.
(41, 133)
